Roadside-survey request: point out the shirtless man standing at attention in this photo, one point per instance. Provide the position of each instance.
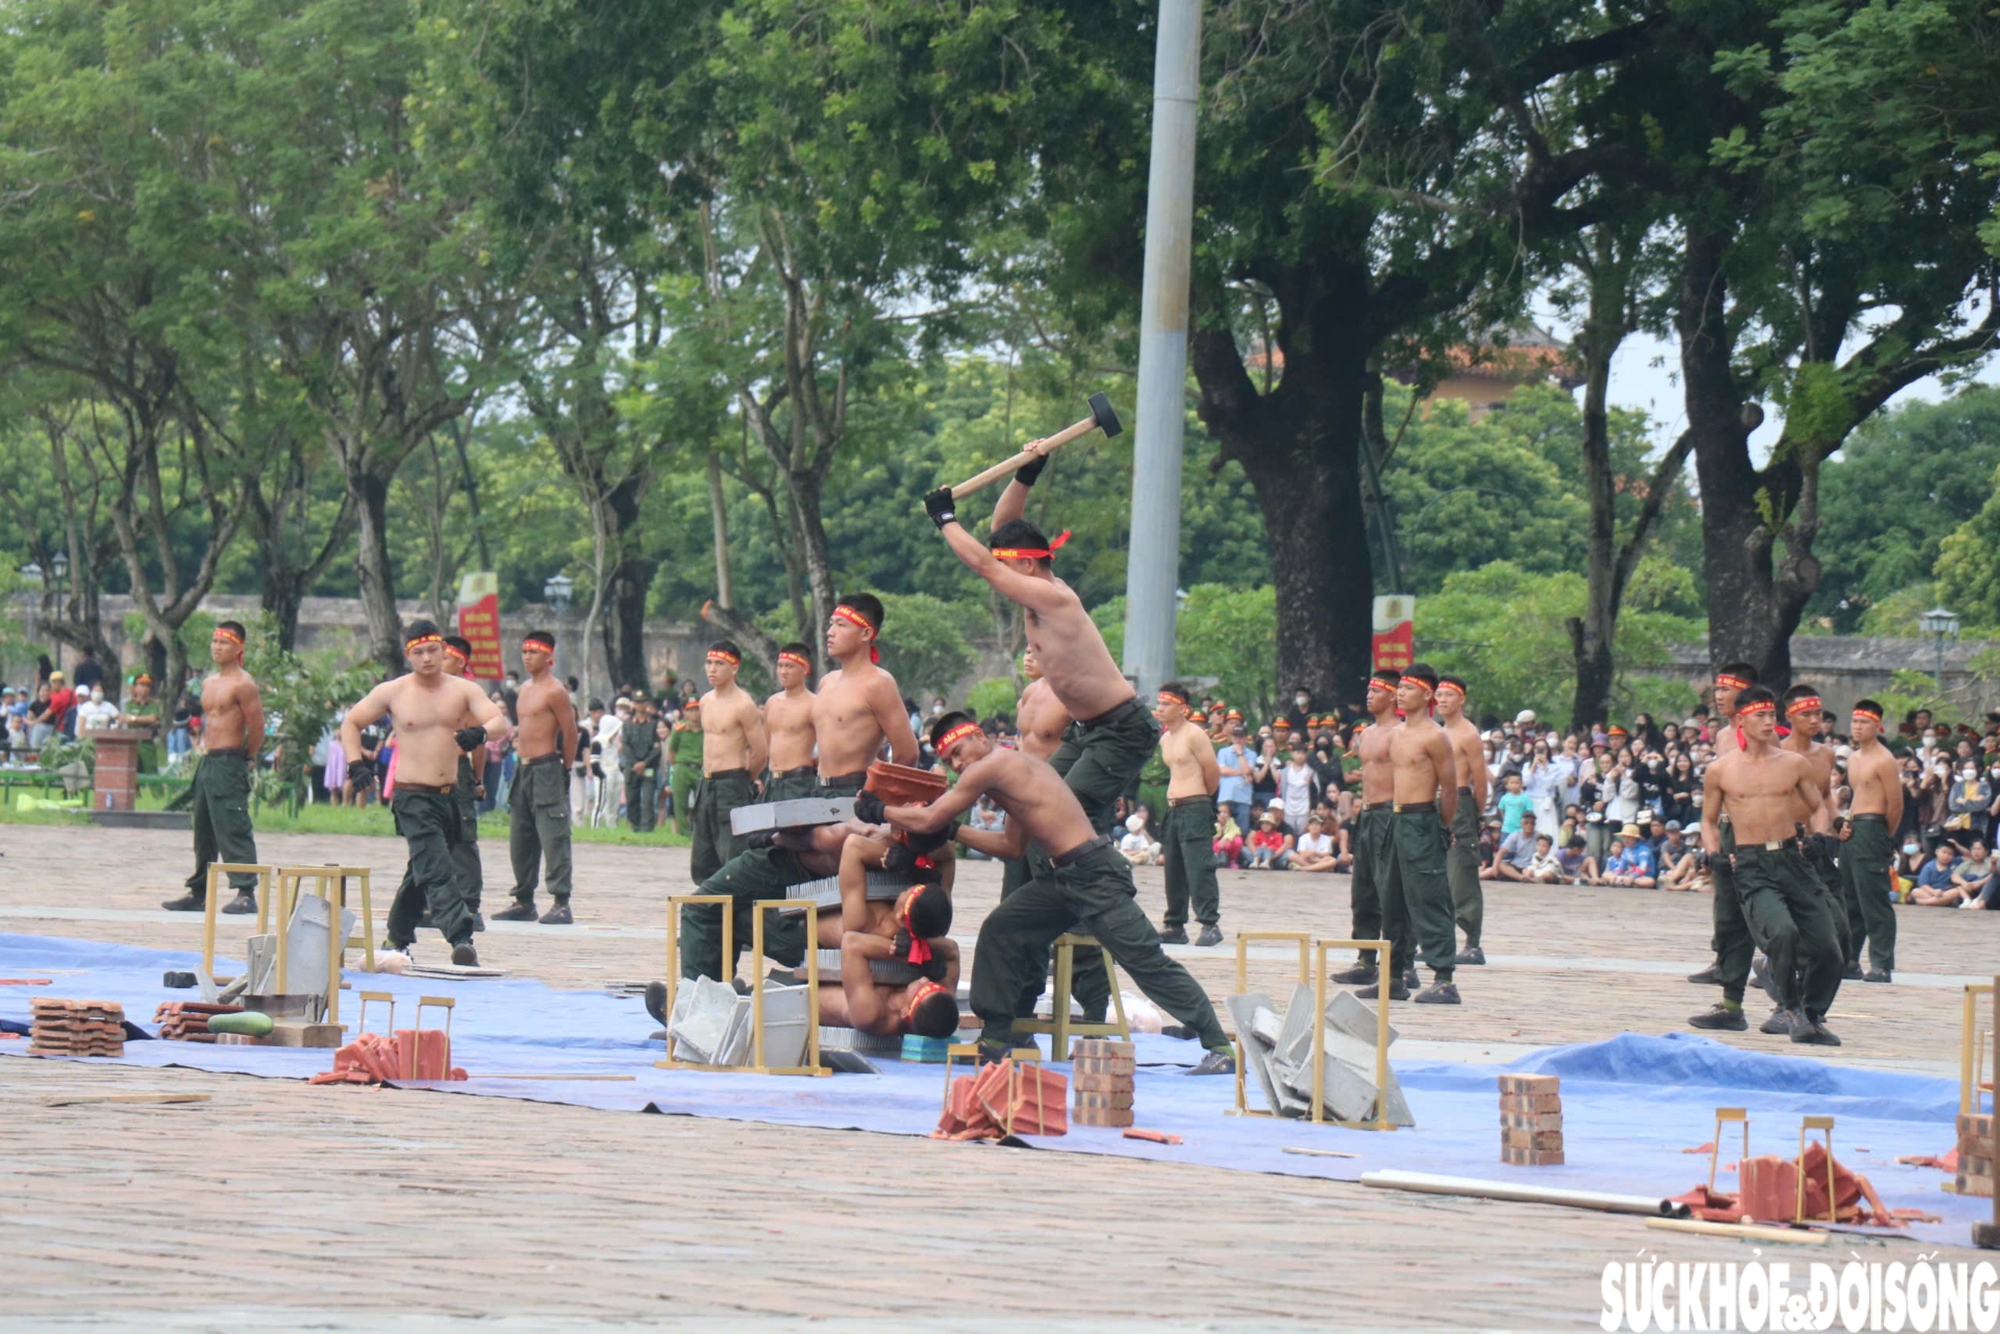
(429, 708)
(1768, 793)
(1378, 796)
(538, 804)
(733, 754)
(1042, 720)
(1802, 707)
(1874, 812)
(1416, 897)
(1461, 859)
(232, 736)
(1731, 941)
(1188, 837)
(788, 727)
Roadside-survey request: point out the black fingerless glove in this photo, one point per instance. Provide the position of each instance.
(361, 773)
(941, 506)
(763, 838)
(868, 807)
(470, 738)
(934, 968)
(1029, 471)
(932, 842)
(900, 859)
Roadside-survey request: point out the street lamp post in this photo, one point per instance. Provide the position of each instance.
(557, 593)
(1939, 623)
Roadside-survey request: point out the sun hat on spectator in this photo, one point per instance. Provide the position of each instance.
(1630, 831)
(1524, 716)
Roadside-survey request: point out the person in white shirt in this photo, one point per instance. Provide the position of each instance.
(1543, 868)
(96, 713)
(1137, 847)
(1298, 788)
(1315, 849)
(610, 788)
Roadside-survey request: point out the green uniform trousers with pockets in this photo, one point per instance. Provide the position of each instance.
(714, 798)
(1786, 909)
(222, 833)
(791, 786)
(1365, 885)
(1416, 897)
(1100, 763)
(1188, 844)
(1865, 859)
(1461, 869)
(538, 831)
(430, 824)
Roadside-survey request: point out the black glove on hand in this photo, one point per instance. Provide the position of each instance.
(470, 738)
(868, 807)
(932, 842)
(900, 859)
(361, 773)
(763, 838)
(901, 949)
(934, 968)
(942, 508)
(1031, 470)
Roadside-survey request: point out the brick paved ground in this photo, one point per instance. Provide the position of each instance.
(281, 1206)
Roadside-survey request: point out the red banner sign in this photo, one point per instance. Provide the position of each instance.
(479, 622)
(1393, 644)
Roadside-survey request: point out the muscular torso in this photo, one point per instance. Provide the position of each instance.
(1184, 749)
(1034, 796)
(1416, 770)
(1760, 794)
(1378, 773)
(1821, 759)
(1468, 755)
(845, 728)
(539, 722)
(788, 727)
(426, 715)
(223, 695)
(1871, 775)
(1041, 718)
(1075, 663)
(726, 717)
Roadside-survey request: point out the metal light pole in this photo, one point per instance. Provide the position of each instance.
(59, 567)
(1939, 623)
(1152, 567)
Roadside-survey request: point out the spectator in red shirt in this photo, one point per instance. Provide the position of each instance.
(62, 700)
(1270, 847)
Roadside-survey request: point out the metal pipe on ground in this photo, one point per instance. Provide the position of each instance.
(1648, 1205)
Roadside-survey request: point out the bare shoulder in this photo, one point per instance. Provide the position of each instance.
(244, 685)
(883, 689)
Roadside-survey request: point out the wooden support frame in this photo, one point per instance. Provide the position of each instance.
(1313, 972)
(383, 997)
(1726, 1115)
(288, 884)
(675, 902)
(1971, 1053)
(445, 1003)
(1059, 1026)
(216, 870)
(758, 910)
(1823, 1124)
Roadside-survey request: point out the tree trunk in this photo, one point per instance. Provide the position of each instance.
(372, 571)
(1593, 637)
(631, 580)
(818, 559)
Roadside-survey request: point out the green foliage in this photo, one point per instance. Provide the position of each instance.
(1503, 629)
(1227, 633)
(1968, 564)
(924, 641)
(996, 694)
(301, 693)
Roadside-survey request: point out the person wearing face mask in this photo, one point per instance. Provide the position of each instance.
(96, 713)
(1301, 713)
(1971, 796)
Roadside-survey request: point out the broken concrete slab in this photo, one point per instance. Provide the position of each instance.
(798, 813)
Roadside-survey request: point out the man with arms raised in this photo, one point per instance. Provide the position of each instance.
(1461, 859)
(232, 736)
(538, 804)
(1768, 793)
(430, 709)
(788, 726)
(1416, 898)
(1188, 840)
(1088, 886)
(1371, 822)
(733, 754)
(1874, 812)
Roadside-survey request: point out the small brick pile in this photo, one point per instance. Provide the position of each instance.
(1531, 1120)
(76, 1027)
(1975, 1154)
(187, 1021)
(1026, 1098)
(1103, 1079)
(375, 1059)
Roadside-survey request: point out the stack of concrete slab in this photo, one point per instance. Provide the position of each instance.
(1102, 1077)
(75, 1027)
(1531, 1120)
(882, 887)
(1975, 1154)
(1279, 1051)
(712, 1025)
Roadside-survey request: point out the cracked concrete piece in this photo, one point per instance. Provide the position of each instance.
(1355, 1017)
(798, 813)
(1256, 1049)
(702, 1008)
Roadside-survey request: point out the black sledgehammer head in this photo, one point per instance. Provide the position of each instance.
(1106, 415)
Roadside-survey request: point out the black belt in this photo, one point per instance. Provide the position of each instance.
(856, 779)
(1081, 850)
(799, 772)
(227, 753)
(725, 773)
(1378, 805)
(1465, 792)
(1776, 845)
(1109, 716)
(1872, 817)
(1413, 807)
(425, 789)
(553, 757)
(1189, 801)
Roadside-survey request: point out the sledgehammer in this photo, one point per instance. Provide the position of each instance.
(1103, 417)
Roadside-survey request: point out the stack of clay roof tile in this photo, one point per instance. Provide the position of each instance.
(187, 1021)
(76, 1027)
(1003, 1099)
(374, 1059)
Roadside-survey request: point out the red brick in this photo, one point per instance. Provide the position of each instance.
(1530, 1083)
(1531, 1120)
(1530, 1102)
(1105, 1065)
(1089, 1083)
(1097, 1101)
(1532, 1157)
(1531, 1139)
(1102, 1116)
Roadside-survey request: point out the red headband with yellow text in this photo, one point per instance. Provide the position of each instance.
(417, 641)
(1761, 706)
(724, 655)
(1724, 681)
(1447, 685)
(846, 613)
(1172, 697)
(1803, 704)
(1381, 683)
(1874, 715)
(796, 659)
(924, 992)
(1032, 553)
(537, 645)
(224, 632)
(956, 735)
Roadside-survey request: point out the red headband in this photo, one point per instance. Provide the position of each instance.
(1173, 697)
(1381, 683)
(451, 651)
(1803, 704)
(1868, 713)
(537, 645)
(795, 659)
(1446, 685)
(419, 640)
(846, 613)
(1761, 706)
(920, 949)
(1724, 681)
(229, 635)
(925, 991)
(724, 655)
(956, 735)
(1032, 553)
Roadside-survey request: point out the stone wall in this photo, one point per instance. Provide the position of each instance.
(1845, 668)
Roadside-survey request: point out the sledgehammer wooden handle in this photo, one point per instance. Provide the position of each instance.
(1102, 417)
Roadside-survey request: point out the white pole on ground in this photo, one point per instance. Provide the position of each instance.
(1153, 565)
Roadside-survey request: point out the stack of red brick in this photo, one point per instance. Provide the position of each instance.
(187, 1021)
(1975, 1154)
(1104, 1070)
(76, 1027)
(375, 1059)
(1003, 1099)
(1531, 1120)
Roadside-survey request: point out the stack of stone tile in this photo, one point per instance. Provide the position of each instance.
(76, 1027)
(187, 1021)
(1102, 1077)
(1531, 1120)
(1975, 1154)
